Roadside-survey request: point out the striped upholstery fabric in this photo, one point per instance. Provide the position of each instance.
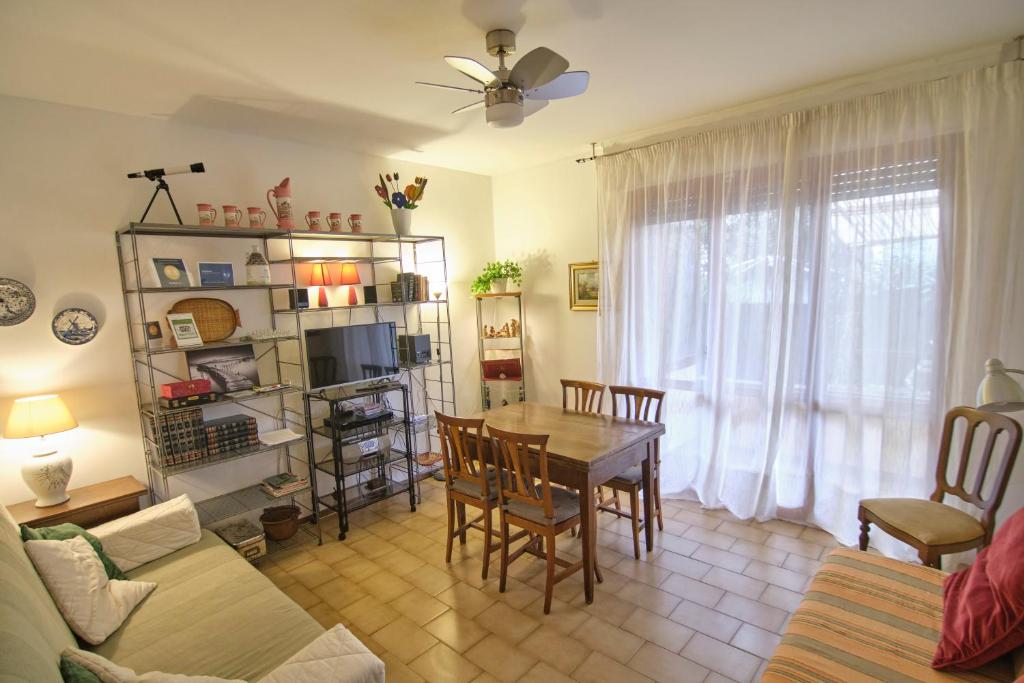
(869, 618)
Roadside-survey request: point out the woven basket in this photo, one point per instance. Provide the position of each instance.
(216, 319)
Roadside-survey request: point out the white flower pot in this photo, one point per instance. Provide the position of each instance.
(402, 220)
(499, 285)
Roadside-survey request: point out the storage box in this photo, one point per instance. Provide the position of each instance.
(187, 388)
(502, 369)
(245, 537)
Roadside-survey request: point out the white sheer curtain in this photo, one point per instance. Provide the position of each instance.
(812, 291)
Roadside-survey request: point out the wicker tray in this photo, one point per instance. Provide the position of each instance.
(216, 319)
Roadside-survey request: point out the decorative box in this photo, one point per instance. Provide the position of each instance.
(245, 537)
(190, 387)
(504, 369)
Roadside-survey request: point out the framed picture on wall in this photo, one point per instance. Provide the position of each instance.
(584, 286)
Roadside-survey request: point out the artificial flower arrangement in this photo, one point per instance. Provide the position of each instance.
(497, 270)
(409, 199)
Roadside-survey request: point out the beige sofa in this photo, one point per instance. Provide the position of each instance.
(212, 613)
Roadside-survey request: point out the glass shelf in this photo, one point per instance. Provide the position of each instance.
(224, 400)
(227, 343)
(222, 288)
(210, 461)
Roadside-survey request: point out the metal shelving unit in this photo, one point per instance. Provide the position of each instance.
(155, 363)
(496, 391)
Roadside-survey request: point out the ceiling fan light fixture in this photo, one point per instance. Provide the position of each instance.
(504, 108)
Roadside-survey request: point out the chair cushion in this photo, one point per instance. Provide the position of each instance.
(566, 505)
(634, 475)
(470, 488)
(929, 522)
(983, 605)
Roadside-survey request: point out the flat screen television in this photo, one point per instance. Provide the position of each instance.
(354, 354)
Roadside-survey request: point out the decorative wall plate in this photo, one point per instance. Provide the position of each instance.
(17, 302)
(75, 326)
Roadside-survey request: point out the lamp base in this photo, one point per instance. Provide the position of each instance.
(48, 474)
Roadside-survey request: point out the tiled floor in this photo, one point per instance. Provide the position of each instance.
(707, 605)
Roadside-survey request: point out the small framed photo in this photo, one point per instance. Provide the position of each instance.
(584, 286)
(229, 369)
(183, 328)
(214, 274)
(153, 330)
(171, 272)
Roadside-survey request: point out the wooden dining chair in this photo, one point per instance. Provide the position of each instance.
(637, 404)
(933, 528)
(467, 481)
(541, 510)
(587, 397)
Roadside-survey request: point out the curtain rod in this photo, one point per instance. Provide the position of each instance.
(1012, 51)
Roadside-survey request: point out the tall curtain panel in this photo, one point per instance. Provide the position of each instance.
(815, 290)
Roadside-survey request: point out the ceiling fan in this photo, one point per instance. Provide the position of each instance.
(510, 95)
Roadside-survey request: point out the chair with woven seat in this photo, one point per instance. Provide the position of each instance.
(930, 526)
(638, 404)
(467, 481)
(587, 397)
(540, 510)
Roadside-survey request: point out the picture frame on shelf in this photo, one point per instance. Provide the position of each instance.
(154, 331)
(216, 274)
(228, 369)
(584, 286)
(184, 330)
(171, 272)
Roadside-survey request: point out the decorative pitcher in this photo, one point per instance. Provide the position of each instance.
(283, 211)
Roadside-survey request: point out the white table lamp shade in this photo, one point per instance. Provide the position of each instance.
(38, 416)
(998, 391)
(47, 472)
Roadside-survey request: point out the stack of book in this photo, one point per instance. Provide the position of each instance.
(283, 484)
(410, 287)
(231, 433)
(181, 436)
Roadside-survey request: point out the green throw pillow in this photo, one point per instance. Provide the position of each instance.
(63, 532)
(73, 672)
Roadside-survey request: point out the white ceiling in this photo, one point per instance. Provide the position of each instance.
(341, 72)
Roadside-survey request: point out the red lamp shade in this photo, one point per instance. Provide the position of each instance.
(320, 277)
(350, 276)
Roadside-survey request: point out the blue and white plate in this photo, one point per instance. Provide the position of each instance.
(75, 326)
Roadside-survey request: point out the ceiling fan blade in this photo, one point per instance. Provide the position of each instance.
(533, 106)
(449, 87)
(569, 84)
(475, 105)
(537, 67)
(472, 68)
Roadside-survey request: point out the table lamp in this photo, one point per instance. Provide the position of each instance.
(47, 472)
(350, 276)
(320, 277)
(998, 391)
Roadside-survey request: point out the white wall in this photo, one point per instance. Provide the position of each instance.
(64, 192)
(546, 218)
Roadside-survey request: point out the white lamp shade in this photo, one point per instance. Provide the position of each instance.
(38, 416)
(998, 391)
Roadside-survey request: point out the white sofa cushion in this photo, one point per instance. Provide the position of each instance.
(150, 534)
(92, 605)
(336, 656)
(108, 672)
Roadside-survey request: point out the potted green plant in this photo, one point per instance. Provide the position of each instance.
(496, 275)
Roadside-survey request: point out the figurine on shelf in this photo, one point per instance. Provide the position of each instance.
(514, 327)
(504, 331)
(491, 334)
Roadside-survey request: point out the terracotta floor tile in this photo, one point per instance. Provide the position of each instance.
(505, 662)
(652, 599)
(456, 631)
(709, 538)
(779, 526)
(751, 611)
(742, 531)
(681, 564)
(795, 545)
(721, 558)
(441, 664)
(666, 667)
(799, 563)
(339, 592)
(291, 559)
(304, 597)
(397, 671)
(332, 551)
(411, 541)
(559, 651)
(313, 573)
(693, 590)
(372, 547)
(781, 598)
(600, 668)
(405, 640)
(430, 579)
(563, 617)
(465, 599)
(418, 606)
(369, 614)
(356, 568)
(544, 673)
(597, 634)
(784, 578)
(400, 562)
(756, 641)
(756, 551)
(718, 656)
(385, 586)
(657, 629)
(517, 594)
(707, 621)
(511, 624)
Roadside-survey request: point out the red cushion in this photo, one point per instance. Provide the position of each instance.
(983, 606)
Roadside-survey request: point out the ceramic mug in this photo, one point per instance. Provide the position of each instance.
(355, 221)
(257, 217)
(313, 220)
(232, 216)
(207, 214)
(334, 222)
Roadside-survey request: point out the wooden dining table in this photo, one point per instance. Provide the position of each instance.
(584, 451)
